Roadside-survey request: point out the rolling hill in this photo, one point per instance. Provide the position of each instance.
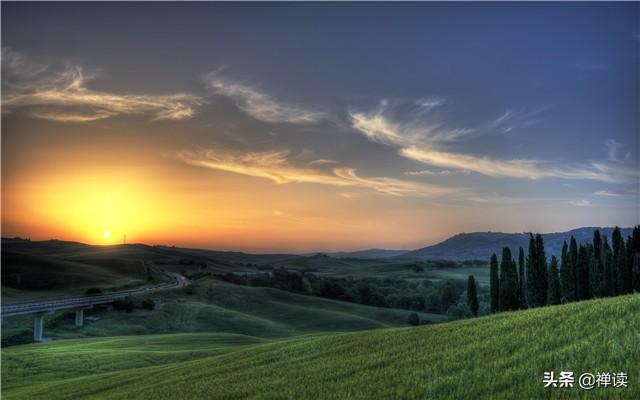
(502, 356)
(211, 305)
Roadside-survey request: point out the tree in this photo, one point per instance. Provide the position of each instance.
(635, 243)
(573, 260)
(494, 283)
(609, 276)
(582, 270)
(621, 270)
(530, 262)
(472, 296)
(413, 319)
(521, 280)
(148, 304)
(508, 282)
(596, 267)
(567, 279)
(597, 244)
(536, 272)
(629, 256)
(554, 292)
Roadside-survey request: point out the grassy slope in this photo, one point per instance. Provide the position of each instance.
(46, 276)
(223, 307)
(496, 357)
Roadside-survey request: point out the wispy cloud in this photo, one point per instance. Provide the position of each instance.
(615, 193)
(348, 195)
(512, 120)
(608, 193)
(276, 167)
(613, 147)
(444, 172)
(378, 128)
(429, 103)
(259, 104)
(61, 94)
(322, 161)
(580, 203)
(425, 145)
(72, 117)
(531, 169)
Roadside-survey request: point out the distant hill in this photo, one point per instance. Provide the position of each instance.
(480, 245)
(460, 247)
(368, 254)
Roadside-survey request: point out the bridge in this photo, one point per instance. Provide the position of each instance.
(38, 308)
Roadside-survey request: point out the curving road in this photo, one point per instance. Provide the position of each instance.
(62, 303)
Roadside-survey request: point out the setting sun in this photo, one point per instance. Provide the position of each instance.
(106, 235)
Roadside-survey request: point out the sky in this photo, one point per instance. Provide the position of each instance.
(298, 127)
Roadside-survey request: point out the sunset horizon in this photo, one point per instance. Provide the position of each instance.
(229, 148)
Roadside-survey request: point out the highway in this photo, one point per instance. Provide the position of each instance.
(86, 301)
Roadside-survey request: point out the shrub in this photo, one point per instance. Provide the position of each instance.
(148, 304)
(413, 319)
(125, 304)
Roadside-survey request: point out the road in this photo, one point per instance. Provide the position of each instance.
(62, 303)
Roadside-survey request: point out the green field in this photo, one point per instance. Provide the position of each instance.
(497, 357)
(212, 305)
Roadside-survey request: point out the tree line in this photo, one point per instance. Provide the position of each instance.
(585, 271)
(424, 296)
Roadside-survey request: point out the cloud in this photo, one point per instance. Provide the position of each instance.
(612, 147)
(260, 105)
(348, 195)
(444, 172)
(66, 117)
(609, 193)
(378, 128)
(429, 103)
(425, 145)
(513, 119)
(580, 203)
(322, 161)
(531, 169)
(51, 90)
(275, 167)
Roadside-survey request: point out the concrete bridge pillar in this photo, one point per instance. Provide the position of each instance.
(80, 317)
(38, 323)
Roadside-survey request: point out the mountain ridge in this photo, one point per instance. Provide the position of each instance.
(480, 245)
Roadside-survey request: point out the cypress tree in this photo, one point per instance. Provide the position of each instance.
(582, 269)
(521, 280)
(635, 273)
(555, 292)
(472, 295)
(616, 243)
(530, 262)
(494, 283)
(596, 275)
(541, 271)
(573, 260)
(536, 272)
(629, 259)
(508, 282)
(597, 244)
(621, 270)
(567, 279)
(609, 277)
